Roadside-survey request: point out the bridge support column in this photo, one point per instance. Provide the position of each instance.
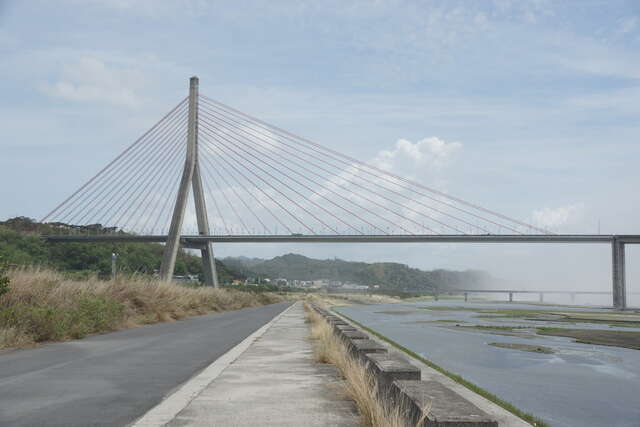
(541, 297)
(466, 295)
(619, 290)
(208, 261)
(510, 296)
(190, 177)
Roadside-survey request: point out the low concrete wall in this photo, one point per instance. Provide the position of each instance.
(359, 349)
(399, 382)
(446, 408)
(389, 367)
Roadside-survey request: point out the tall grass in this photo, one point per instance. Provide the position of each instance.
(360, 385)
(44, 305)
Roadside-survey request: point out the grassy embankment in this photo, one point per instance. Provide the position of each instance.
(359, 384)
(44, 305)
(350, 299)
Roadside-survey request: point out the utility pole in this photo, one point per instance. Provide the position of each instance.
(114, 257)
(190, 178)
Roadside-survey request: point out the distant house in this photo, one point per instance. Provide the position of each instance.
(322, 283)
(354, 286)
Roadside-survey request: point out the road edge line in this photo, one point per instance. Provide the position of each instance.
(168, 408)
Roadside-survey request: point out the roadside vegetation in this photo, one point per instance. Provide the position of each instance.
(359, 384)
(40, 305)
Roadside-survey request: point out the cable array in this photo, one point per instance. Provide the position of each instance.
(136, 190)
(261, 179)
(295, 185)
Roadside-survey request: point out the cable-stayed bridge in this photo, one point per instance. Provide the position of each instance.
(207, 173)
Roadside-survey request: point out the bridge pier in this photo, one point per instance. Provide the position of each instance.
(190, 178)
(541, 299)
(510, 296)
(618, 274)
(465, 296)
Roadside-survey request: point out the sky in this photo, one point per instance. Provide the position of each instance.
(530, 108)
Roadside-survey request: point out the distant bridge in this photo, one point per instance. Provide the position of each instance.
(512, 292)
(465, 292)
(268, 185)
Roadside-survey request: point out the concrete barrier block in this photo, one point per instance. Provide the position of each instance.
(353, 335)
(360, 348)
(339, 329)
(445, 407)
(388, 368)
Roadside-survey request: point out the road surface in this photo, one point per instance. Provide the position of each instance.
(113, 379)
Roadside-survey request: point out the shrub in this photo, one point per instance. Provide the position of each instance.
(4, 282)
(44, 305)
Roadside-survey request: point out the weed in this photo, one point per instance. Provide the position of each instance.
(360, 385)
(43, 305)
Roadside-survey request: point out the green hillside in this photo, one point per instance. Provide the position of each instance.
(21, 244)
(388, 275)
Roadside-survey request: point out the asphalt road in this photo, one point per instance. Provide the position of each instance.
(113, 379)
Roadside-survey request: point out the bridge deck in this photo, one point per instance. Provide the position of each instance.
(380, 238)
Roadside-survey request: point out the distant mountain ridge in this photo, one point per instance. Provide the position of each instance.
(387, 275)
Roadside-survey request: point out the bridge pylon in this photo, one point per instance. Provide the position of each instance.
(190, 178)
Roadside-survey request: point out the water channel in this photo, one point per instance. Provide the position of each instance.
(576, 385)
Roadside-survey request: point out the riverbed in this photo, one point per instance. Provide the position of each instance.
(572, 385)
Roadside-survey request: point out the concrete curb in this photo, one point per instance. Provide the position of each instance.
(400, 383)
(167, 410)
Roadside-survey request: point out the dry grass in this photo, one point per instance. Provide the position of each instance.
(42, 305)
(359, 384)
(338, 300)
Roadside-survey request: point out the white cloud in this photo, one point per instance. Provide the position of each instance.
(553, 218)
(91, 80)
(431, 153)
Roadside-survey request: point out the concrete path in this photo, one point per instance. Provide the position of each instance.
(113, 379)
(275, 382)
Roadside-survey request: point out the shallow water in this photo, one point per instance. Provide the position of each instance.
(579, 385)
